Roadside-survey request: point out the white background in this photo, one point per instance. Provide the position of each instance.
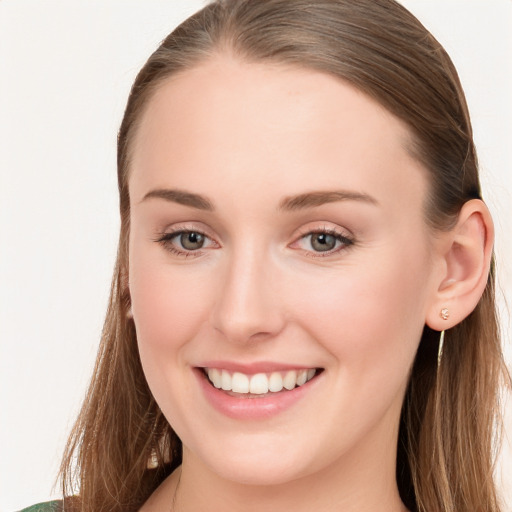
(65, 71)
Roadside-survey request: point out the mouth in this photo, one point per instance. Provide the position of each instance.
(259, 385)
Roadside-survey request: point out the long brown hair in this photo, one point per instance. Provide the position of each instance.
(446, 439)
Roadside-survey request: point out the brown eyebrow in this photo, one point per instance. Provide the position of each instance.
(181, 197)
(298, 202)
(312, 199)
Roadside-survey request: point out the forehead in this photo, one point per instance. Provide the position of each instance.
(254, 124)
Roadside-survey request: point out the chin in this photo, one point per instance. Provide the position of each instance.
(258, 461)
(259, 473)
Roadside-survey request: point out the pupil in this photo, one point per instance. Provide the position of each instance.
(192, 240)
(323, 242)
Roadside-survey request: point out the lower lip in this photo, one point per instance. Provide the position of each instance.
(252, 408)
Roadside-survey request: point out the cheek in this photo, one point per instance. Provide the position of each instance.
(370, 318)
(370, 321)
(169, 304)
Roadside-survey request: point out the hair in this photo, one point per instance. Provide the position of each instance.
(448, 426)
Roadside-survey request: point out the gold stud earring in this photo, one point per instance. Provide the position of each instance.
(444, 314)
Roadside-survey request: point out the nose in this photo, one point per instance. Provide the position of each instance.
(247, 306)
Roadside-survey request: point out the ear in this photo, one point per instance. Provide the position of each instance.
(464, 256)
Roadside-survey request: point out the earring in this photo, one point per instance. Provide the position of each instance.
(444, 314)
(440, 349)
(153, 460)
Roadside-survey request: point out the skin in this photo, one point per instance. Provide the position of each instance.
(247, 137)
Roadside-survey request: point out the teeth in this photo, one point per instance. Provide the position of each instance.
(275, 383)
(290, 379)
(225, 381)
(259, 383)
(215, 376)
(302, 377)
(239, 383)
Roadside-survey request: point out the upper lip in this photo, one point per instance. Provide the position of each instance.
(254, 367)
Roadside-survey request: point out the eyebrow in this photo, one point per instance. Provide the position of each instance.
(181, 197)
(292, 203)
(312, 199)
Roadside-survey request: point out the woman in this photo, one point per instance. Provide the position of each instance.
(302, 313)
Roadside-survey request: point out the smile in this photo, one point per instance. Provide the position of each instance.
(258, 391)
(259, 383)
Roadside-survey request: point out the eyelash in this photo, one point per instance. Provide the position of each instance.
(166, 238)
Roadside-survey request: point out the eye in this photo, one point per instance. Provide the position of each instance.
(191, 240)
(323, 242)
(185, 242)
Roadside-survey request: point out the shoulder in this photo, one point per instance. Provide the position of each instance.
(48, 506)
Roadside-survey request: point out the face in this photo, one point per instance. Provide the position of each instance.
(277, 241)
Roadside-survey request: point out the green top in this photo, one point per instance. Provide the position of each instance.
(48, 506)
